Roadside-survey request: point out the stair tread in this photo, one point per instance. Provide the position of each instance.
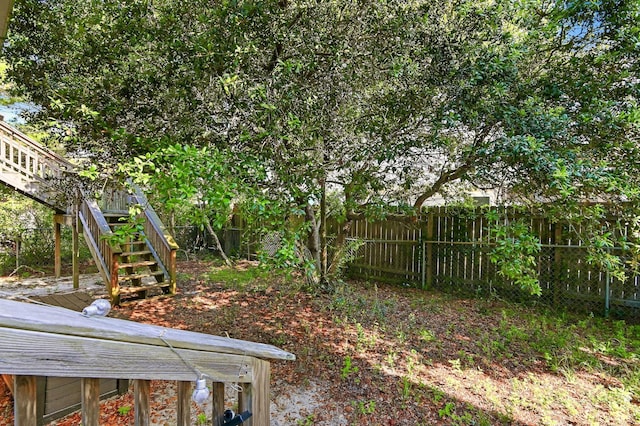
(135, 253)
(136, 289)
(136, 264)
(139, 276)
(156, 297)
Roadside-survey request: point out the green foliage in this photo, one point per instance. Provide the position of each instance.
(348, 368)
(300, 87)
(343, 256)
(307, 421)
(129, 228)
(514, 251)
(366, 408)
(448, 410)
(274, 104)
(28, 225)
(124, 410)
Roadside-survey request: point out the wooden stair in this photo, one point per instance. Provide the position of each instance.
(144, 264)
(139, 273)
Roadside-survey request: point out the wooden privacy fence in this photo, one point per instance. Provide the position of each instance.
(448, 249)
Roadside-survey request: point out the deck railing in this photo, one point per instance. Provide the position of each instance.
(26, 165)
(160, 240)
(104, 250)
(49, 341)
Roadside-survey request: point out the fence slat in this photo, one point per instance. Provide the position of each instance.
(448, 249)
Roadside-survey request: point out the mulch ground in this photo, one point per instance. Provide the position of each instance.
(379, 355)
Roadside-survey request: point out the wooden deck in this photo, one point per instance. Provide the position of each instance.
(75, 301)
(37, 172)
(59, 396)
(40, 340)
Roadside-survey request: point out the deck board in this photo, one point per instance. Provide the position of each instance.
(75, 301)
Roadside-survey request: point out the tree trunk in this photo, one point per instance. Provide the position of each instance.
(313, 242)
(323, 231)
(217, 242)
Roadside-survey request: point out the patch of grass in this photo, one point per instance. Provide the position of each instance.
(348, 368)
(201, 419)
(365, 408)
(307, 421)
(124, 410)
(426, 335)
(245, 279)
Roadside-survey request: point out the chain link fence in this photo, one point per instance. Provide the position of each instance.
(567, 279)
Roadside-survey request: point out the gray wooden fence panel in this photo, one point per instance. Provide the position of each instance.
(448, 249)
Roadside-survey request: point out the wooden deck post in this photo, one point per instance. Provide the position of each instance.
(76, 229)
(57, 251)
(172, 272)
(141, 396)
(25, 399)
(90, 390)
(255, 396)
(218, 404)
(184, 404)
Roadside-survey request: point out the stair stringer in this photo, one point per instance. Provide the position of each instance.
(27, 167)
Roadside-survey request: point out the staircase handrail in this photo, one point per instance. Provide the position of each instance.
(161, 240)
(97, 233)
(17, 135)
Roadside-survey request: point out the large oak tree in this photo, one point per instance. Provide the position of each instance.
(377, 102)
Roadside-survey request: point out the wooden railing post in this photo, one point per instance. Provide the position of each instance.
(75, 244)
(142, 397)
(218, 404)
(255, 395)
(172, 272)
(90, 389)
(184, 404)
(25, 412)
(57, 235)
(114, 285)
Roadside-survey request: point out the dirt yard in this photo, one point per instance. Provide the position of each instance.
(371, 354)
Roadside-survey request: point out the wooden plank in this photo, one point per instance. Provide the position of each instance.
(75, 244)
(90, 389)
(25, 397)
(28, 352)
(218, 404)
(184, 404)
(61, 321)
(255, 395)
(379, 269)
(75, 301)
(428, 265)
(142, 402)
(63, 395)
(57, 249)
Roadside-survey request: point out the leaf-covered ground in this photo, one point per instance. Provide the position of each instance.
(372, 354)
